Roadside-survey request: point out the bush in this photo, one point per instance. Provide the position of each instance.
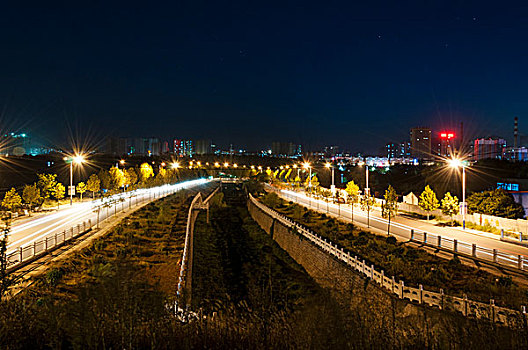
(390, 240)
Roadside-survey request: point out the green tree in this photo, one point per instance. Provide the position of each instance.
(496, 202)
(352, 191)
(389, 208)
(450, 205)
(46, 184)
(5, 278)
(428, 201)
(145, 172)
(81, 188)
(94, 184)
(117, 178)
(131, 177)
(104, 178)
(367, 202)
(31, 195)
(58, 193)
(12, 200)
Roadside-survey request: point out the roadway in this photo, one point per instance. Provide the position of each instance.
(27, 231)
(401, 226)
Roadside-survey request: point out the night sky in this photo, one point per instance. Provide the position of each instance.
(249, 73)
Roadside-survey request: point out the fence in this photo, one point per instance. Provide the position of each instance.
(470, 250)
(468, 308)
(184, 291)
(30, 252)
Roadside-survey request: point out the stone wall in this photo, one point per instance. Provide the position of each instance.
(374, 307)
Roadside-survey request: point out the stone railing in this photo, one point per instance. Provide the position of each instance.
(184, 291)
(398, 288)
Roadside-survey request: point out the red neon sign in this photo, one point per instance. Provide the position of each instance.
(447, 135)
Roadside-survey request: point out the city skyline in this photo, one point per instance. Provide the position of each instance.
(317, 74)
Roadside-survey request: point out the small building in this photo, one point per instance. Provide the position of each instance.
(410, 199)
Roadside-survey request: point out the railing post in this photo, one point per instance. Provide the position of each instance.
(455, 245)
(494, 255)
(363, 267)
(401, 289)
(520, 237)
(34, 248)
(20, 254)
(393, 284)
(474, 250)
(412, 234)
(492, 307)
(519, 262)
(502, 233)
(439, 241)
(372, 272)
(421, 294)
(46, 243)
(55, 239)
(425, 237)
(465, 305)
(382, 277)
(441, 299)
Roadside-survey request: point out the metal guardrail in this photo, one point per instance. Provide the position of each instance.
(29, 252)
(469, 250)
(439, 300)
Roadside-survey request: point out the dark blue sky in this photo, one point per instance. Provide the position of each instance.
(249, 72)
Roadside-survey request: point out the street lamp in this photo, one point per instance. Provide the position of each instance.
(77, 159)
(332, 188)
(307, 166)
(367, 189)
(456, 163)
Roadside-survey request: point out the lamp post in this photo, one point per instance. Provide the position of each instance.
(307, 166)
(367, 189)
(457, 163)
(78, 159)
(332, 188)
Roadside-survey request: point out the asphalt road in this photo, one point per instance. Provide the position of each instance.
(26, 232)
(401, 227)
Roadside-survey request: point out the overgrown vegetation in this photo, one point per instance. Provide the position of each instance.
(414, 265)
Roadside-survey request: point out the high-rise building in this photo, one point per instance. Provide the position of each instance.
(421, 142)
(398, 150)
(444, 144)
(183, 148)
(489, 148)
(284, 149)
(116, 146)
(203, 147)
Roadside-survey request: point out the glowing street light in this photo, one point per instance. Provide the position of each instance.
(226, 164)
(77, 159)
(175, 165)
(306, 165)
(332, 188)
(456, 163)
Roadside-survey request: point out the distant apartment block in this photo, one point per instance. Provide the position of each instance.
(183, 148)
(444, 144)
(421, 143)
(398, 150)
(285, 149)
(203, 147)
(486, 148)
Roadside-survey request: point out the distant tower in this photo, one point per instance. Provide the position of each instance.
(515, 132)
